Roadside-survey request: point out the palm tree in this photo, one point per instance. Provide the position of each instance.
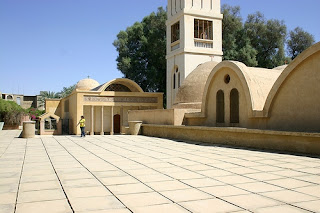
(48, 95)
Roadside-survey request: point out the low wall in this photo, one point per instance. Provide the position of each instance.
(159, 116)
(298, 142)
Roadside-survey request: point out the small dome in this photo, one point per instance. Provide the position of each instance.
(87, 84)
(190, 93)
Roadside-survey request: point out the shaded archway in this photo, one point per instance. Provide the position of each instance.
(220, 107)
(234, 106)
(116, 123)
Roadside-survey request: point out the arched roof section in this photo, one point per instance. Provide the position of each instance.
(191, 90)
(257, 83)
(286, 73)
(131, 85)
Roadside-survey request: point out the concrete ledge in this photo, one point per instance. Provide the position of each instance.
(298, 142)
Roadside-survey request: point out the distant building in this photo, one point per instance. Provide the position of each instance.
(25, 101)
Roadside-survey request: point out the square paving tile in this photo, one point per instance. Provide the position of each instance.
(309, 205)
(87, 204)
(95, 191)
(202, 182)
(289, 183)
(118, 180)
(143, 199)
(133, 188)
(257, 187)
(162, 208)
(55, 206)
(33, 186)
(186, 195)
(289, 196)
(210, 205)
(168, 185)
(282, 208)
(224, 191)
(43, 195)
(313, 190)
(251, 201)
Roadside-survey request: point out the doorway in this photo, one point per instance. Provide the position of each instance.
(116, 123)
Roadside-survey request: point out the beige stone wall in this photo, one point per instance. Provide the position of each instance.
(262, 139)
(296, 106)
(53, 106)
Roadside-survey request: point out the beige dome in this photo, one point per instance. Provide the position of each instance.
(87, 84)
(190, 93)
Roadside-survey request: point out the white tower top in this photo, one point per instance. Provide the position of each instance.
(194, 36)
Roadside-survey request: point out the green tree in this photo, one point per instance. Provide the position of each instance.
(268, 38)
(299, 40)
(47, 95)
(66, 91)
(10, 112)
(142, 50)
(236, 45)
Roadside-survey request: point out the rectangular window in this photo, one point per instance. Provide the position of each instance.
(175, 32)
(203, 29)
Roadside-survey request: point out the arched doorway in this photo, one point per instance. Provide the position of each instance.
(234, 106)
(220, 107)
(116, 123)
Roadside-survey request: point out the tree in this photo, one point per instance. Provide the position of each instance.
(235, 44)
(299, 40)
(47, 95)
(66, 91)
(268, 38)
(142, 50)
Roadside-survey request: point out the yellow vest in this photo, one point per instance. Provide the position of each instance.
(82, 122)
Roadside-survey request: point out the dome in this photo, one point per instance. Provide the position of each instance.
(190, 93)
(87, 84)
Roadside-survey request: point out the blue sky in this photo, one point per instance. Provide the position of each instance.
(49, 44)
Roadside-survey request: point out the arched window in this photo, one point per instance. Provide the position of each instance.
(220, 107)
(178, 79)
(234, 106)
(117, 88)
(174, 80)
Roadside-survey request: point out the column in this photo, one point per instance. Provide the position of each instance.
(111, 122)
(102, 132)
(121, 118)
(92, 121)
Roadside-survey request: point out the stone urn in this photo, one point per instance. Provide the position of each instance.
(134, 127)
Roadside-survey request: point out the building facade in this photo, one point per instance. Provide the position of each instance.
(105, 107)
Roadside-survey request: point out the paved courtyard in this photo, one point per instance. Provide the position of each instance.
(120, 174)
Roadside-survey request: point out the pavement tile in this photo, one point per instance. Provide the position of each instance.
(7, 208)
(210, 205)
(80, 182)
(234, 179)
(95, 191)
(43, 195)
(107, 211)
(168, 185)
(251, 201)
(8, 198)
(32, 186)
(153, 178)
(186, 195)
(310, 205)
(289, 196)
(310, 178)
(282, 208)
(289, 183)
(163, 208)
(257, 187)
(262, 176)
(215, 173)
(202, 182)
(143, 199)
(224, 191)
(185, 175)
(54, 206)
(87, 204)
(313, 190)
(118, 180)
(129, 189)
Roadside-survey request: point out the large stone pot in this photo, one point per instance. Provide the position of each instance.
(29, 129)
(1, 125)
(134, 127)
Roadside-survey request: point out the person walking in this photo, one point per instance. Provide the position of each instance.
(82, 123)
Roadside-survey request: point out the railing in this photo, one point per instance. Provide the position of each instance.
(203, 43)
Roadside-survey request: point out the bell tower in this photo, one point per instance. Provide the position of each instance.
(194, 36)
